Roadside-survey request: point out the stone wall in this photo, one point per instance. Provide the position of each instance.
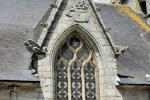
(35, 93)
(59, 26)
(91, 32)
(135, 94)
(21, 93)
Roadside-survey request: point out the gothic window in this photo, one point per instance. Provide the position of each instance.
(75, 70)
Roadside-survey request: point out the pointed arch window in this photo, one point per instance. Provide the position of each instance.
(75, 70)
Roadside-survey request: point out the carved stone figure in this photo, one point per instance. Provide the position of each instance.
(33, 47)
(38, 53)
(107, 29)
(79, 12)
(120, 49)
(54, 5)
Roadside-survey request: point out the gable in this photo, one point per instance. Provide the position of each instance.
(77, 16)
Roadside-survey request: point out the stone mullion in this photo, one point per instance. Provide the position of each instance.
(69, 82)
(82, 71)
(69, 71)
(83, 82)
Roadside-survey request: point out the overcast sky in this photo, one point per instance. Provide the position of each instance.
(101, 0)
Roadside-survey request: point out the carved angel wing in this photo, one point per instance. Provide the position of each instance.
(33, 47)
(33, 43)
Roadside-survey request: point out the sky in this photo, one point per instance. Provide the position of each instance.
(101, 0)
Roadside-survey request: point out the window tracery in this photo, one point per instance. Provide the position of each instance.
(75, 70)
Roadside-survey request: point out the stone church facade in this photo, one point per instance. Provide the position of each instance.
(82, 50)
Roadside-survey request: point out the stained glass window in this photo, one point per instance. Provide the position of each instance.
(62, 84)
(89, 82)
(76, 83)
(75, 70)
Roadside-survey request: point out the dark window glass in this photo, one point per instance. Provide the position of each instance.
(74, 65)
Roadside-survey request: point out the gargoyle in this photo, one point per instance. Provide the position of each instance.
(38, 53)
(34, 48)
(120, 50)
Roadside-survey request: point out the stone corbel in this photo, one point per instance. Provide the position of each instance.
(98, 9)
(43, 24)
(107, 29)
(120, 50)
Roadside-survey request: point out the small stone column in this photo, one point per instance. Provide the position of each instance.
(13, 95)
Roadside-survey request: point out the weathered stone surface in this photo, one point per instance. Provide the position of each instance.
(54, 31)
(21, 93)
(59, 33)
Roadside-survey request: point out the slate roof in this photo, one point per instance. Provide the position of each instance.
(17, 18)
(134, 64)
(16, 26)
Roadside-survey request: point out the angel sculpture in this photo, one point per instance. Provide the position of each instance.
(34, 48)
